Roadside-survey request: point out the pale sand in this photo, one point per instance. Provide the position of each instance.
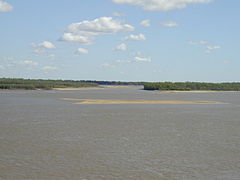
(120, 101)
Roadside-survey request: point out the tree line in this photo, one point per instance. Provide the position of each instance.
(32, 84)
(189, 86)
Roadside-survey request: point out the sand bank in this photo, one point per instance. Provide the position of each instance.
(129, 101)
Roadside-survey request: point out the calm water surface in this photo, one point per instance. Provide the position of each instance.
(45, 138)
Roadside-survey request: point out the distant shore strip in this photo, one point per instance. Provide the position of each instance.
(37, 84)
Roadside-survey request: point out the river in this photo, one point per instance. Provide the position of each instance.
(43, 137)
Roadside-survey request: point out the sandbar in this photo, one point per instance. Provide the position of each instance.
(134, 101)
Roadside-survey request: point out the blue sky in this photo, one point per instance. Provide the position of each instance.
(126, 40)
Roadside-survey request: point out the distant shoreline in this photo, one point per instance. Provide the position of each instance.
(163, 87)
(192, 86)
(117, 87)
(191, 91)
(36, 84)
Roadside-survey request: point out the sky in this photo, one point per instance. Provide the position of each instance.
(121, 40)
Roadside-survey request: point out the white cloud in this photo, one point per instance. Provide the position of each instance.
(140, 59)
(132, 37)
(5, 7)
(198, 42)
(71, 37)
(145, 23)
(212, 48)
(49, 68)
(28, 63)
(169, 24)
(44, 45)
(85, 31)
(107, 65)
(123, 61)
(118, 14)
(121, 47)
(81, 51)
(161, 5)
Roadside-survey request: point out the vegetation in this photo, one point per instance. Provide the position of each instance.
(187, 86)
(30, 84)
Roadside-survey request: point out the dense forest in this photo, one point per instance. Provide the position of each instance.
(189, 86)
(31, 84)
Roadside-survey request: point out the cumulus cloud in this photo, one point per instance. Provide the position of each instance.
(28, 63)
(44, 45)
(85, 31)
(40, 48)
(118, 14)
(141, 59)
(49, 68)
(145, 23)
(132, 37)
(5, 7)
(71, 37)
(81, 51)
(198, 42)
(169, 24)
(121, 47)
(212, 48)
(161, 5)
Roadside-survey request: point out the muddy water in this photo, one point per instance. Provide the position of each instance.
(43, 137)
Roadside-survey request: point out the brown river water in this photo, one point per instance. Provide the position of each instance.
(43, 137)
